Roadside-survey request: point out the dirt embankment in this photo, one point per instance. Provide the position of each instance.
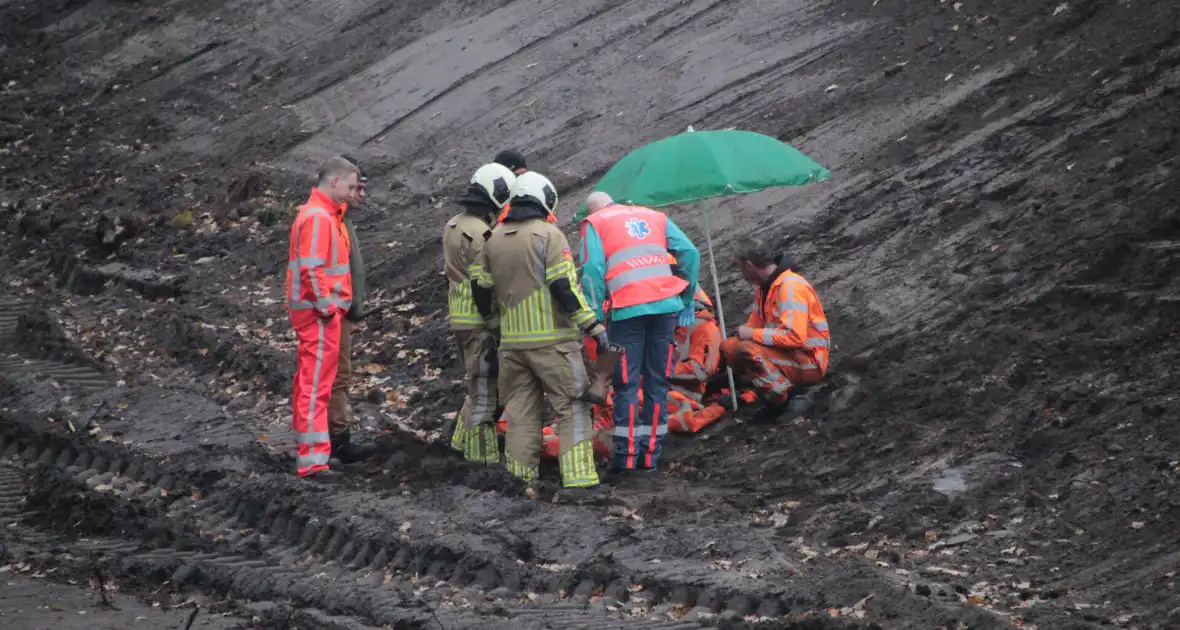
(996, 252)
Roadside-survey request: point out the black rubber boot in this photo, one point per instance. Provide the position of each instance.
(768, 414)
(325, 475)
(348, 452)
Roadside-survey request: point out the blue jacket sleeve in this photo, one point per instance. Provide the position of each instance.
(688, 260)
(593, 271)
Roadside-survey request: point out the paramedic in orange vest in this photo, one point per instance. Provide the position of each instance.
(319, 294)
(625, 260)
(785, 341)
(697, 359)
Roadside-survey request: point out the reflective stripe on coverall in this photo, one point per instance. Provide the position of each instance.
(319, 293)
(697, 357)
(790, 339)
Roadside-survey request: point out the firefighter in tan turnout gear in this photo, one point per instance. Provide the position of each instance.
(463, 242)
(526, 272)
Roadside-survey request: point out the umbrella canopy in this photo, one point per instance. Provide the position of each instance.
(697, 165)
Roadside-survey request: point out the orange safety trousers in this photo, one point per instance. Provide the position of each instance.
(686, 415)
(551, 444)
(771, 370)
(315, 371)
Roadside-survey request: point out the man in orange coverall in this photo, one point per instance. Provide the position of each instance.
(785, 341)
(697, 357)
(319, 294)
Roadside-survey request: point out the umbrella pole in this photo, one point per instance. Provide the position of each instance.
(720, 307)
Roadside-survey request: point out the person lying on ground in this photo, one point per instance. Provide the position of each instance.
(697, 358)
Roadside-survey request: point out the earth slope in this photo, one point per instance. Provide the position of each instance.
(997, 252)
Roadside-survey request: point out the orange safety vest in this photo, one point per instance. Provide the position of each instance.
(635, 244)
(318, 274)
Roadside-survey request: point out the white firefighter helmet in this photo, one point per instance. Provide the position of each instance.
(537, 188)
(495, 181)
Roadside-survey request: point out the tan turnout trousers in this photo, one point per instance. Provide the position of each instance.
(559, 372)
(475, 429)
(339, 409)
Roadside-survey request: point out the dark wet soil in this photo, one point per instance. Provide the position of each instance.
(996, 252)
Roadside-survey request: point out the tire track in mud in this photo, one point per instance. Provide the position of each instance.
(273, 537)
(312, 563)
(260, 543)
(47, 361)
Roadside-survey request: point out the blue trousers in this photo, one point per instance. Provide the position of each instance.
(638, 433)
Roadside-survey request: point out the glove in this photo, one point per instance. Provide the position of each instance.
(686, 317)
(602, 341)
(598, 332)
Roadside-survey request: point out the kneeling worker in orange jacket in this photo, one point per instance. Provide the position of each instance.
(697, 358)
(785, 341)
(319, 295)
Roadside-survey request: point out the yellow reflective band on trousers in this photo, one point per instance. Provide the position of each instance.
(461, 305)
(577, 466)
(459, 437)
(480, 445)
(532, 320)
(519, 470)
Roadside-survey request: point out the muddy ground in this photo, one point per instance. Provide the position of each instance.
(997, 253)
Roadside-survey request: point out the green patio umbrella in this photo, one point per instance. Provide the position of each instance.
(696, 165)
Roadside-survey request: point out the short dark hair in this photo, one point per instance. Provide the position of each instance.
(337, 166)
(510, 158)
(759, 252)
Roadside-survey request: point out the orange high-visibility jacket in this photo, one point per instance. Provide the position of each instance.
(789, 316)
(318, 275)
(698, 348)
(635, 244)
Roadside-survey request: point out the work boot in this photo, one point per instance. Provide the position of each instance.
(326, 475)
(594, 495)
(797, 405)
(348, 452)
(769, 413)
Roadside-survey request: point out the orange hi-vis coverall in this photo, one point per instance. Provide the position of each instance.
(697, 358)
(319, 293)
(790, 342)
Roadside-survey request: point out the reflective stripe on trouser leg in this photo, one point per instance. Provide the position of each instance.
(758, 366)
(680, 411)
(523, 406)
(479, 353)
(564, 378)
(315, 372)
(629, 334)
(659, 343)
(459, 437)
(481, 446)
(659, 420)
(479, 439)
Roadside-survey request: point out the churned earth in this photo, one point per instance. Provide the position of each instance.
(997, 252)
